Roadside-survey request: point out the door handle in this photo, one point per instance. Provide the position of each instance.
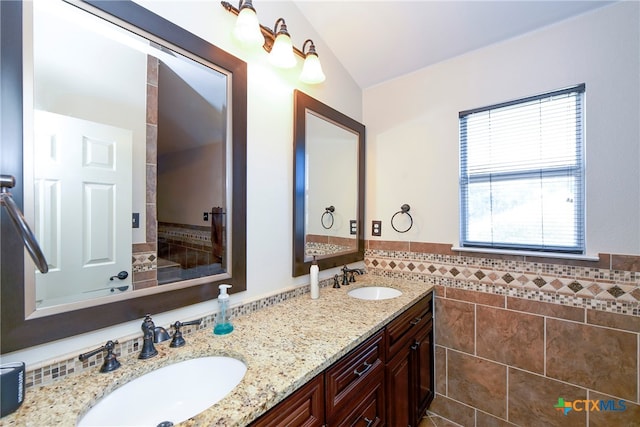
(122, 275)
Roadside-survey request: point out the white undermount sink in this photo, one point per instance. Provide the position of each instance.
(173, 393)
(374, 293)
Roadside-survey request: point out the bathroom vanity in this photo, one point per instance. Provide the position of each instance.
(386, 379)
(336, 358)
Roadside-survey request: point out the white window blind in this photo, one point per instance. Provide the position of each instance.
(522, 174)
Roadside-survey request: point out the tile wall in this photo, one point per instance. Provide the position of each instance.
(145, 255)
(515, 334)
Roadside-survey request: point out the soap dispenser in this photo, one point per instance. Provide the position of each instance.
(223, 324)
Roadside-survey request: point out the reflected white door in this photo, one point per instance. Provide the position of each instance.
(83, 204)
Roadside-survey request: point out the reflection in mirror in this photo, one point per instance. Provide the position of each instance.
(109, 107)
(329, 186)
(133, 167)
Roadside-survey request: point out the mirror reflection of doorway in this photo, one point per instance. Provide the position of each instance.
(84, 167)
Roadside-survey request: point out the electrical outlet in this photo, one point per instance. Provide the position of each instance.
(135, 222)
(353, 226)
(376, 228)
(205, 216)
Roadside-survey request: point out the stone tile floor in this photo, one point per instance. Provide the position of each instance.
(432, 420)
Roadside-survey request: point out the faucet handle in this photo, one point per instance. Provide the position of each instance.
(147, 323)
(178, 340)
(110, 361)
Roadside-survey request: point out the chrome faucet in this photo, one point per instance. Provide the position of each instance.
(151, 334)
(348, 275)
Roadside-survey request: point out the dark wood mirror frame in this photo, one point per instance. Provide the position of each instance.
(18, 333)
(301, 103)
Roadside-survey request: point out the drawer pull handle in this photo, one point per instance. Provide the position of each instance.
(415, 345)
(366, 367)
(368, 421)
(415, 321)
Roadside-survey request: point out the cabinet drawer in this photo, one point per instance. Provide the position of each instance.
(367, 409)
(400, 330)
(305, 408)
(353, 370)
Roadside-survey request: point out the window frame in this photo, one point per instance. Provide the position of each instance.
(576, 170)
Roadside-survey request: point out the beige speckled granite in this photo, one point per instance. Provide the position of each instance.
(283, 346)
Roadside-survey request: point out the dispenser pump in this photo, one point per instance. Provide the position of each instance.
(223, 323)
(223, 291)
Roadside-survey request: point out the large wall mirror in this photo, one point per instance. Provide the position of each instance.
(328, 197)
(127, 137)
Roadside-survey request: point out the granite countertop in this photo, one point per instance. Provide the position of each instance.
(283, 346)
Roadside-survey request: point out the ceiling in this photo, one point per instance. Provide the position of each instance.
(380, 40)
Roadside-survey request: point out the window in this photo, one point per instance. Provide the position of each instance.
(522, 174)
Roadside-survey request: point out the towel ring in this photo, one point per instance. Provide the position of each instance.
(404, 209)
(27, 236)
(328, 212)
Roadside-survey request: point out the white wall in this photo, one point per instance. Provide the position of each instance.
(412, 125)
(269, 157)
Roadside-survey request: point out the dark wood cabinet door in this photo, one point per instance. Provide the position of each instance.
(409, 370)
(305, 408)
(398, 377)
(422, 376)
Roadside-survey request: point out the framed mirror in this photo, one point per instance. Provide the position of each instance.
(328, 193)
(127, 137)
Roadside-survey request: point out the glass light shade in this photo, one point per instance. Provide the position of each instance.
(312, 70)
(282, 52)
(247, 29)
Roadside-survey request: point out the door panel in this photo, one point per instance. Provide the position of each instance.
(82, 176)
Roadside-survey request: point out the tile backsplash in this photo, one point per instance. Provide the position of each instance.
(56, 369)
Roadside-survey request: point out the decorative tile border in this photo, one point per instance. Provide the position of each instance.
(192, 234)
(144, 261)
(317, 248)
(575, 285)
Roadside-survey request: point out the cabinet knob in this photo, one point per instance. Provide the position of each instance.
(368, 421)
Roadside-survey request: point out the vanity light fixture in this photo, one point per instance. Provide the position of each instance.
(247, 30)
(278, 43)
(311, 69)
(282, 51)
